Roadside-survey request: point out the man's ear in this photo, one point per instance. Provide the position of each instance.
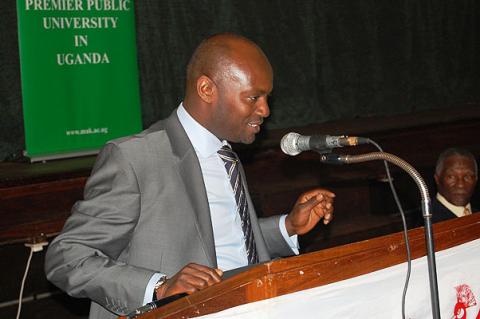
(206, 89)
(436, 177)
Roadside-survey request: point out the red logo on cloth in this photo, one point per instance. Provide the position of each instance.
(465, 299)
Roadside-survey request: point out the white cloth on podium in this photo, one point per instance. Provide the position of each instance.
(379, 294)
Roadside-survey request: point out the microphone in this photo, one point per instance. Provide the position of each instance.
(293, 143)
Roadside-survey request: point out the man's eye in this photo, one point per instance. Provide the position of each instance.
(253, 98)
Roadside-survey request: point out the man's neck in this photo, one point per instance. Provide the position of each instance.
(457, 210)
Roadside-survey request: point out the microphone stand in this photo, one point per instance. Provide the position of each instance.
(427, 216)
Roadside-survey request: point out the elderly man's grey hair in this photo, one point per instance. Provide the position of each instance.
(454, 151)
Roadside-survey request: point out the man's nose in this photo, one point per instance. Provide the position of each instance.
(262, 108)
(460, 182)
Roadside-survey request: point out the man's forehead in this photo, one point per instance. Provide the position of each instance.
(458, 162)
(246, 70)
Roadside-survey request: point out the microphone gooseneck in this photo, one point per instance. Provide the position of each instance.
(425, 200)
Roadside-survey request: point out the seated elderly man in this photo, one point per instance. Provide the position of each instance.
(456, 175)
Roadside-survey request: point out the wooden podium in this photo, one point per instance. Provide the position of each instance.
(311, 270)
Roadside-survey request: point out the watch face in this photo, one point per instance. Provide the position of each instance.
(160, 282)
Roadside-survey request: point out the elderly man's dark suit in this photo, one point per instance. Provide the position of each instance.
(145, 210)
(441, 213)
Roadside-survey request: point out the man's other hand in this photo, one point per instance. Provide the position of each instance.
(310, 208)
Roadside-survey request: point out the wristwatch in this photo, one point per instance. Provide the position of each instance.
(160, 282)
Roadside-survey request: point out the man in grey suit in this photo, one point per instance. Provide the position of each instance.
(159, 215)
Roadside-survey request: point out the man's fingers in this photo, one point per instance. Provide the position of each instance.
(319, 191)
(323, 201)
(322, 195)
(206, 273)
(191, 278)
(327, 193)
(313, 201)
(327, 218)
(321, 206)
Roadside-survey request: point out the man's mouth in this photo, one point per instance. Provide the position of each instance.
(460, 193)
(255, 126)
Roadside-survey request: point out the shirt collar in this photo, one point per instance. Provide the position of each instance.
(203, 141)
(457, 210)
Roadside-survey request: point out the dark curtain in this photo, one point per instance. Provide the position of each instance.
(332, 59)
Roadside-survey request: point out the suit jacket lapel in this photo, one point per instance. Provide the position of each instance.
(191, 174)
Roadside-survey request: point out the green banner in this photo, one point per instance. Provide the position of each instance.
(79, 74)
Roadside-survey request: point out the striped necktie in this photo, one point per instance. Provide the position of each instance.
(232, 165)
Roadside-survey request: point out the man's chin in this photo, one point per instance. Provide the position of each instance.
(248, 139)
(458, 200)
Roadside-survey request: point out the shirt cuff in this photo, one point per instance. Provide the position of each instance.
(292, 241)
(148, 297)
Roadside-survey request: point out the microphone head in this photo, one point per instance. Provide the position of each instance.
(288, 144)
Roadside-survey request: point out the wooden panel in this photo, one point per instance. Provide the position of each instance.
(35, 199)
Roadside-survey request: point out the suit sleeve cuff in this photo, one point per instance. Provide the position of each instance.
(150, 287)
(292, 241)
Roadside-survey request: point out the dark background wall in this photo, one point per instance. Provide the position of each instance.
(332, 59)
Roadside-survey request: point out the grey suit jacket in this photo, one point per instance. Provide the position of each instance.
(145, 210)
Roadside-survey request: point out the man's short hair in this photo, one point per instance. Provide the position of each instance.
(457, 151)
(210, 54)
